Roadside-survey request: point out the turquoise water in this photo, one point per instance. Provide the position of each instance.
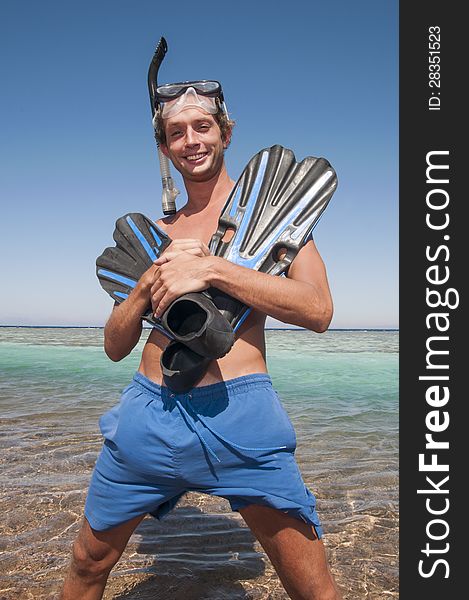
(340, 390)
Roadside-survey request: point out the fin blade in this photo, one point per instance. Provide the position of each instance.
(139, 241)
(276, 203)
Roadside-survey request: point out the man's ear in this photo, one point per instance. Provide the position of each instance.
(227, 138)
(164, 150)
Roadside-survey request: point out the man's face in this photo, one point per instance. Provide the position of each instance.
(194, 144)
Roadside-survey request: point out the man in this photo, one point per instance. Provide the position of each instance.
(158, 444)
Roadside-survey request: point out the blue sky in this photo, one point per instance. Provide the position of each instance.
(77, 148)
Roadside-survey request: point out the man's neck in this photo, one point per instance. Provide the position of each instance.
(211, 193)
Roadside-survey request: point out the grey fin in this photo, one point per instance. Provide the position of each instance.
(269, 215)
(274, 206)
(267, 218)
(139, 241)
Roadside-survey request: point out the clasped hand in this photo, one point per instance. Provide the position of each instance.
(181, 269)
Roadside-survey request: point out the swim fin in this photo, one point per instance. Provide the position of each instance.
(194, 321)
(139, 241)
(182, 367)
(267, 218)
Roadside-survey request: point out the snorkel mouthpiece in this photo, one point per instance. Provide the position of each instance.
(170, 191)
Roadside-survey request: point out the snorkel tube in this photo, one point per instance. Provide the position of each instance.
(168, 199)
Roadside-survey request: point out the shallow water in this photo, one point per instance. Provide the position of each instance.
(340, 390)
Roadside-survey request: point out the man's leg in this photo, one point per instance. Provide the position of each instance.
(294, 550)
(94, 555)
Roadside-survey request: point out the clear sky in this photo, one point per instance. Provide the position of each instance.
(77, 148)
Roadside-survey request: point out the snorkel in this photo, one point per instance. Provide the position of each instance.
(168, 199)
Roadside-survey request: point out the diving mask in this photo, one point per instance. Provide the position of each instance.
(189, 99)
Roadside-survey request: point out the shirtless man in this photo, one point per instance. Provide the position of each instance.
(156, 446)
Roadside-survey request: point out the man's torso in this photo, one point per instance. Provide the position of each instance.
(248, 353)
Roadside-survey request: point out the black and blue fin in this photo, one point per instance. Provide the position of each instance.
(139, 241)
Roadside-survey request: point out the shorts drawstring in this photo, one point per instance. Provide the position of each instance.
(190, 419)
(191, 425)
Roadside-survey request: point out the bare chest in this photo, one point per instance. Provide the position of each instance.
(192, 229)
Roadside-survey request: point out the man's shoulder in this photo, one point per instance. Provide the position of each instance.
(168, 221)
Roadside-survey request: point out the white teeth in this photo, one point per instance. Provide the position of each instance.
(195, 156)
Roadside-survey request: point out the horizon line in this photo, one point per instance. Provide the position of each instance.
(265, 328)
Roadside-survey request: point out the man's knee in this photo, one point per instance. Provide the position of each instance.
(330, 594)
(92, 563)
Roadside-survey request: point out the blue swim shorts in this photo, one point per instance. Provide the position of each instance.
(231, 439)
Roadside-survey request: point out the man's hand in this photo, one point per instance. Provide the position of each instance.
(184, 267)
(194, 247)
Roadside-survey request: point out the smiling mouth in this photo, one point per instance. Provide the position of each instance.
(195, 157)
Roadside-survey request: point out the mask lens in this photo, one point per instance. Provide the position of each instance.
(207, 87)
(173, 90)
(189, 99)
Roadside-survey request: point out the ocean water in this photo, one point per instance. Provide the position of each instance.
(340, 390)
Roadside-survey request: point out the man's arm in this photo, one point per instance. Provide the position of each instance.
(124, 327)
(303, 298)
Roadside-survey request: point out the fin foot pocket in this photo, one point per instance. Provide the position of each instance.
(182, 368)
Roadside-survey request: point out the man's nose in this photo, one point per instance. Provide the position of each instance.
(191, 137)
